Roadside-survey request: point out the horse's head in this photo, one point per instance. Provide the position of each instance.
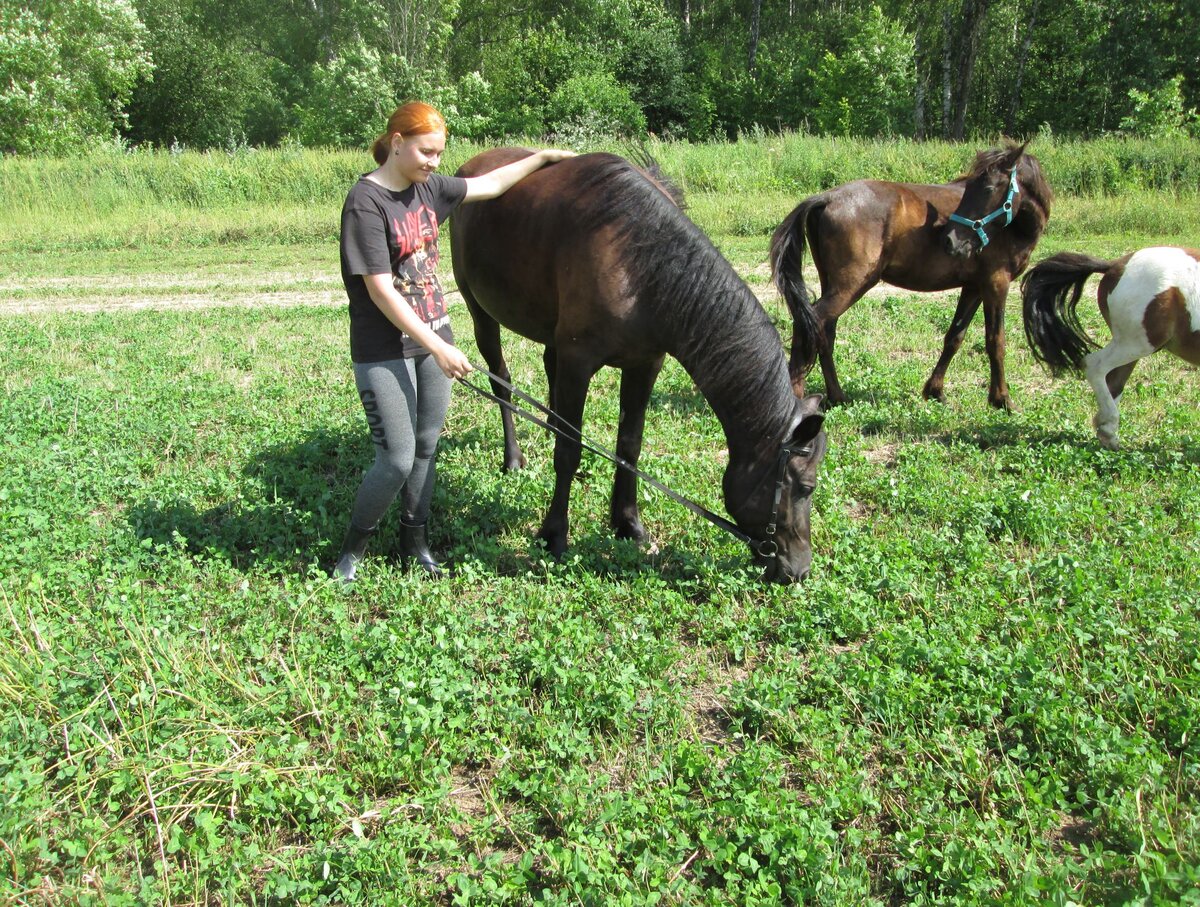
(993, 193)
(770, 498)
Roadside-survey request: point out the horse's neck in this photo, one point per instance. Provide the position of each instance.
(738, 365)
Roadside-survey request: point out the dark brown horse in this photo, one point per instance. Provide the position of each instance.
(869, 231)
(591, 258)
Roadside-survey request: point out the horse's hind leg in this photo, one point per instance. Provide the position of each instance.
(1107, 371)
(487, 338)
(826, 338)
(968, 304)
(636, 386)
(847, 286)
(1115, 381)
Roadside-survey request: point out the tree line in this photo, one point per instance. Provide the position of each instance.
(208, 73)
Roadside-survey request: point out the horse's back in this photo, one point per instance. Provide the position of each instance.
(540, 259)
(866, 230)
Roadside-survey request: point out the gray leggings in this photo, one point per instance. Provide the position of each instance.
(405, 401)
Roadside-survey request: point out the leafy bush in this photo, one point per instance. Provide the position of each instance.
(1159, 113)
(593, 106)
(348, 99)
(67, 70)
(867, 88)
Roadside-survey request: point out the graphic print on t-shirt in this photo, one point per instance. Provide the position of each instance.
(416, 270)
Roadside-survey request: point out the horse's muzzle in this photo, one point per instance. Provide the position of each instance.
(784, 570)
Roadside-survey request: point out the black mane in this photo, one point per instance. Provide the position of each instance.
(708, 317)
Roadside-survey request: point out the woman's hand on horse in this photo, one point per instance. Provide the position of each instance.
(552, 155)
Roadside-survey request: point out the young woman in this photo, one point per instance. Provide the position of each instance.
(400, 340)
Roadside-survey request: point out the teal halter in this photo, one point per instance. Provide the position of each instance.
(1005, 209)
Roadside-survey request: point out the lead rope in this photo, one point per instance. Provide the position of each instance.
(576, 435)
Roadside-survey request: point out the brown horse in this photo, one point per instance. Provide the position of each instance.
(591, 258)
(976, 233)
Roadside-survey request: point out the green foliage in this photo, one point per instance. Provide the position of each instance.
(349, 99)
(524, 78)
(1160, 113)
(866, 89)
(644, 52)
(67, 70)
(593, 106)
(209, 87)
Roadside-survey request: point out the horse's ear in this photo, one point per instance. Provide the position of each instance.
(812, 419)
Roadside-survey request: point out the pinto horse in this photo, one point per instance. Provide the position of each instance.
(594, 260)
(1150, 300)
(976, 233)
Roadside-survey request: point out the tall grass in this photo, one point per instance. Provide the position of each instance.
(109, 180)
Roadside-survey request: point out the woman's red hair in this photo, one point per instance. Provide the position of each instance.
(413, 118)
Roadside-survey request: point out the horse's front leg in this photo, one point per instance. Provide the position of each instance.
(571, 380)
(636, 385)
(968, 305)
(994, 298)
(487, 338)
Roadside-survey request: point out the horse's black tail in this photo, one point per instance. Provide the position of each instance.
(1050, 292)
(787, 271)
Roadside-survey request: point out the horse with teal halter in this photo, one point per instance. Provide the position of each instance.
(918, 237)
(1005, 211)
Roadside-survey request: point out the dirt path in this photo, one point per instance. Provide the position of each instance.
(89, 294)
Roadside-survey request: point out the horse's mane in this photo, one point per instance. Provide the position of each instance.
(716, 321)
(643, 160)
(1033, 181)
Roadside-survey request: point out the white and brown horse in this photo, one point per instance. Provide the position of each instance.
(1150, 300)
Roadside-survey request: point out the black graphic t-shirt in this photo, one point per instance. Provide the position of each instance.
(397, 233)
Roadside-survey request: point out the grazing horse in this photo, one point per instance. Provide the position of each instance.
(1150, 300)
(976, 233)
(594, 260)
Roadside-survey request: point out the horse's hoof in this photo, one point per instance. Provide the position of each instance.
(632, 531)
(935, 396)
(554, 544)
(1002, 403)
(513, 464)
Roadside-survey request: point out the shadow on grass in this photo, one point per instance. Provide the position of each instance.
(291, 503)
(288, 504)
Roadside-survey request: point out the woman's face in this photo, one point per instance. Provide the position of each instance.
(417, 156)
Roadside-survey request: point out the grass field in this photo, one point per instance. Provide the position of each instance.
(988, 692)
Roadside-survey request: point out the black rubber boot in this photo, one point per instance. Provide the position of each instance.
(414, 549)
(354, 547)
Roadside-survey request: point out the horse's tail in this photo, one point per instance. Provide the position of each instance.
(787, 271)
(1050, 292)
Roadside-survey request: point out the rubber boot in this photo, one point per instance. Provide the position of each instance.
(414, 549)
(354, 547)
